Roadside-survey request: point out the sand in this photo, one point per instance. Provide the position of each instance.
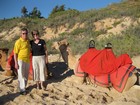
(64, 88)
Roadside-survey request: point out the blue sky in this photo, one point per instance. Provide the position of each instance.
(12, 8)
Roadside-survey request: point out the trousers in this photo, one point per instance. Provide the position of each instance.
(23, 72)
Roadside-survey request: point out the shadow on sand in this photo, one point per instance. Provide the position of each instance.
(8, 97)
(59, 70)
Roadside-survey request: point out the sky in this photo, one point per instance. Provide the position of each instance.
(12, 8)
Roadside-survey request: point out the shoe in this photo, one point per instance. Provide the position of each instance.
(23, 92)
(37, 87)
(42, 87)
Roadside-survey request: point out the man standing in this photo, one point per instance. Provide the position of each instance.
(22, 59)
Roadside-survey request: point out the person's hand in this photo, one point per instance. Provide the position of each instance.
(46, 61)
(16, 66)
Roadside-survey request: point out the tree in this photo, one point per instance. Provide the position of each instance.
(38, 14)
(55, 9)
(58, 9)
(24, 11)
(35, 13)
(61, 8)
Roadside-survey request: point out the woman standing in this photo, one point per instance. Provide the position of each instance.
(39, 59)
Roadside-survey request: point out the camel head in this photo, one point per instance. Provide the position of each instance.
(65, 50)
(57, 45)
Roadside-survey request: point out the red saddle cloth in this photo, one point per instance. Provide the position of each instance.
(103, 68)
(99, 62)
(11, 63)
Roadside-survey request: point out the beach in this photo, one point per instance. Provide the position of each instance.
(64, 88)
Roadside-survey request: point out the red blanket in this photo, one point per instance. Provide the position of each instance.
(103, 68)
(99, 62)
(11, 63)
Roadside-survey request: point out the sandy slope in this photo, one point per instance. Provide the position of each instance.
(63, 88)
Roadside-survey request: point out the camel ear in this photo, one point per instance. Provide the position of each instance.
(67, 44)
(58, 43)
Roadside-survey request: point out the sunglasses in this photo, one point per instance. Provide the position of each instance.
(35, 34)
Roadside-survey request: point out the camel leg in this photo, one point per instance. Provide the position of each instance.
(59, 58)
(65, 56)
(130, 82)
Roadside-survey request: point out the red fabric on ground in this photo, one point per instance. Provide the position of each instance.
(99, 62)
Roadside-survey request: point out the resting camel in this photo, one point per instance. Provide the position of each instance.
(64, 48)
(3, 61)
(7, 64)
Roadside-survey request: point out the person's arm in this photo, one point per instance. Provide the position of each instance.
(16, 50)
(46, 52)
(16, 61)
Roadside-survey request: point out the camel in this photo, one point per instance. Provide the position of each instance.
(66, 53)
(3, 61)
(63, 47)
(7, 64)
